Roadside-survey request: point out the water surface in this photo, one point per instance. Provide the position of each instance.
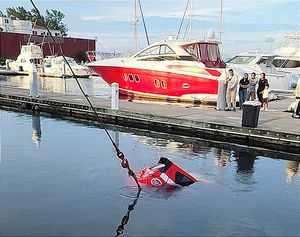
(61, 178)
(94, 86)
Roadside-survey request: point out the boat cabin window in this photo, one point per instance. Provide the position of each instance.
(159, 167)
(286, 63)
(193, 50)
(241, 59)
(156, 50)
(207, 53)
(183, 180)
(71, 60)
(264, 61)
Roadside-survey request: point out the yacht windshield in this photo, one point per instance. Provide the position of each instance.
(286, 63)
(156, 50)
(241, 59)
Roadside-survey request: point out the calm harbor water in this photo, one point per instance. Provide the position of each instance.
(94, 86)
(61, 178)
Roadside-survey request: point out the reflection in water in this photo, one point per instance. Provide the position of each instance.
(244, 171)
(94, 86)
(222, 157)
(245, 161)
(116, 137)
(36, 129)
(291, 169)
(164, 192)
(125, 219)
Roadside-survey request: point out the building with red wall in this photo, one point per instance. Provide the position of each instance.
(10, 44)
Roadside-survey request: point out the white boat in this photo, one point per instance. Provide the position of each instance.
(282, 67)
(55, 66)
(29, 53)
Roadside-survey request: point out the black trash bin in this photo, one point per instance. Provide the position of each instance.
(251, 113)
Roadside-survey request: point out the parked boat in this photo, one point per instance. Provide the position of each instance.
(168, 70)
(55, 66)
(52, 66)
(29, 53)
(282, 67)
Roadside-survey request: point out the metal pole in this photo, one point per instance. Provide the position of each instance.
(221, 19)
(33, 81)
(135, 27)
(221, 101)
(191, 18)
(115, 96)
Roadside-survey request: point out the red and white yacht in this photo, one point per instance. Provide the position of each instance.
(167, 70)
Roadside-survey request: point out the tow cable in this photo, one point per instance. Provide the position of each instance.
(120, 154)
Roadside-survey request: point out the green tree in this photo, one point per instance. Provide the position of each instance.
(53, 20)
(36, 18)
(19, 13)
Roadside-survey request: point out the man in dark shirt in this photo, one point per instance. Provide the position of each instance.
(261, 86)
(244, 84)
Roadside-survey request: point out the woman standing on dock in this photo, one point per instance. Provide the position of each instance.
(261, 86)
(251, 89)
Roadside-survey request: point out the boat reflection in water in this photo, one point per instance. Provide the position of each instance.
(93, 86)
(36, 129)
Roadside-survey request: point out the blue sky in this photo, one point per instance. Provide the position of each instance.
(246, 23)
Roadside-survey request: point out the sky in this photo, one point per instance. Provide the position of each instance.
(247, 24)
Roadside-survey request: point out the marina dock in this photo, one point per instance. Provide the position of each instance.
(276, 129)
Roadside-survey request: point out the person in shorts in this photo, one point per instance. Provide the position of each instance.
(265, 96)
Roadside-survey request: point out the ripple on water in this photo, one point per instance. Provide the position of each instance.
(150, 193)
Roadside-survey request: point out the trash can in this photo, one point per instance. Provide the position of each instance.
(250, 113)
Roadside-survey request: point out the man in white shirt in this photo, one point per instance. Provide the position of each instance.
(231, 82)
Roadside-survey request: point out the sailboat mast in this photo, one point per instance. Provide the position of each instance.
(135, 27)
(191, 19)
(221, 20)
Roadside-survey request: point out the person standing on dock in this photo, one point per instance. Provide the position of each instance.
(265, 95)
(231, 82)
(261, 86)
(251, 89)
(244, 84)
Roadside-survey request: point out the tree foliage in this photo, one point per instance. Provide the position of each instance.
(52, 19)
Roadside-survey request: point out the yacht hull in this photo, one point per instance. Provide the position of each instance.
(158, 83)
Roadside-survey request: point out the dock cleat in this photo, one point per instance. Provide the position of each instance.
(165, 174)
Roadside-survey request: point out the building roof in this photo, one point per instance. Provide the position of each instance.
(43, 28)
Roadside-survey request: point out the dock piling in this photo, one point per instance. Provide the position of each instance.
(33, 81)
(221, 101)
(115, 96)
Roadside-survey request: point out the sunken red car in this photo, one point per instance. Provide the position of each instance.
(165, 173)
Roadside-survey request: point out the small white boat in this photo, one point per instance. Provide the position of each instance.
(55, 66)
